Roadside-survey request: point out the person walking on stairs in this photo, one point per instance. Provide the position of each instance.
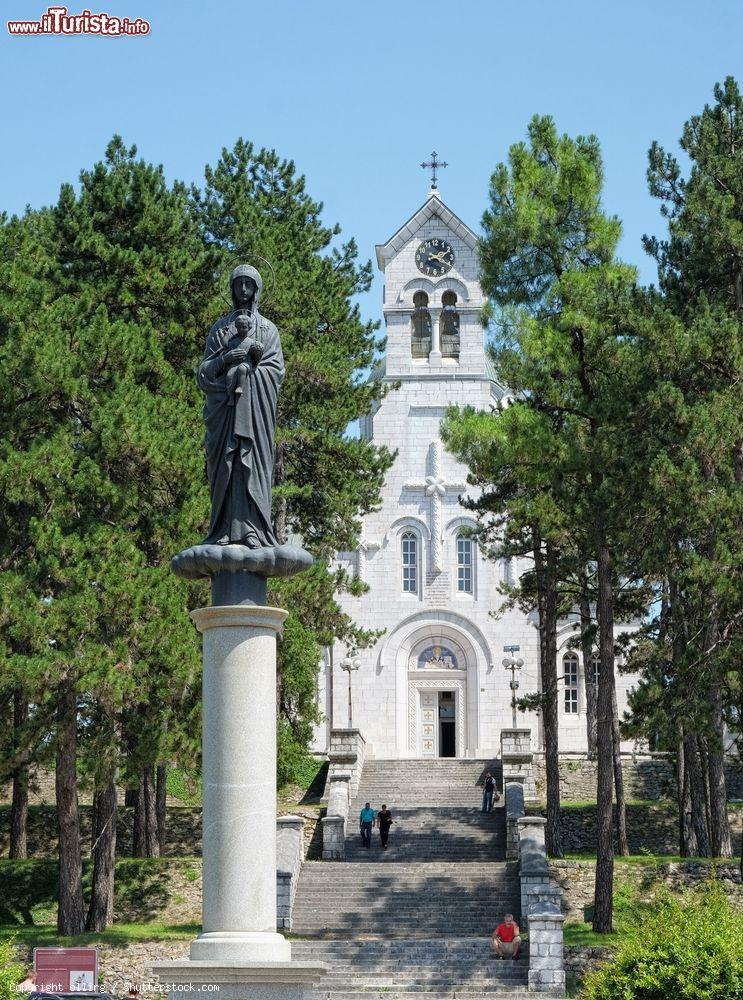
(488, 793)
(384, 822)
(366, 823)
(507, 938)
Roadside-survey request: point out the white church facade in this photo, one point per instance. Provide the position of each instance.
(434, 684)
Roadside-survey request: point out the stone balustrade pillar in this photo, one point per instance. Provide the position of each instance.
(518, 760)
(546, 949)
(334, 823)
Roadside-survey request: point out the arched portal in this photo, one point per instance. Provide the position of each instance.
(439, 658)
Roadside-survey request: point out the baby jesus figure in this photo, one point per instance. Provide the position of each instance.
(241, 343)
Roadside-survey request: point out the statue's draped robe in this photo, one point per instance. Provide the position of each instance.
(240, 436)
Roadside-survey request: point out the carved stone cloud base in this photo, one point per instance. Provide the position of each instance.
(200, 561)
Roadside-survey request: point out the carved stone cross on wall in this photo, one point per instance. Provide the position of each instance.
(436, 487)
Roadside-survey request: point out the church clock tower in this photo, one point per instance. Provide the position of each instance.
(432, 297)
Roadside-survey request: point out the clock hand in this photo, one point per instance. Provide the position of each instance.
(440, 257)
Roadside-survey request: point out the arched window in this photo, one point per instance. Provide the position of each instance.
(507, 567)
(464, 565)
(449, 326)
(420, 344)
(595, 668)
(570, 669)
(410, 562)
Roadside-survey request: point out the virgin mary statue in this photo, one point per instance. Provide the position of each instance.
(240, 376)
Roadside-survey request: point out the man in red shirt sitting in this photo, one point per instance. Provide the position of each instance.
(506, 938)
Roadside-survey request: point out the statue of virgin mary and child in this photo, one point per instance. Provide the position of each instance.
(240, 375)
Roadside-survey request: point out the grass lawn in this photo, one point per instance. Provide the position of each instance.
(654, 859)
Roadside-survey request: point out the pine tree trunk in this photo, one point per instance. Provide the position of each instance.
(722, 845)
(139, 828)
(692, 761)
(553, 833)
(19, 805)
(101, 909)
(704, 759)
(161, 796)
(604, 886)
(687, 837)
(152, 845)
(279, 523)
(70, 915)
(587, 651)
(621, 811)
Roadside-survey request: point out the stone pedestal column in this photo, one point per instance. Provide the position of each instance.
(239, 785)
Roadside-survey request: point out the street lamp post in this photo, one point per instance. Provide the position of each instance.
(512, 664)
(350, 664)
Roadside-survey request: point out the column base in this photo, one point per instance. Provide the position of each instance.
(238, 980)
(240, 946)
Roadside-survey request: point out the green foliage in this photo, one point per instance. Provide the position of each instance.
(184, 786)
(11, 970)
(103, 304)
(690, 947)
(29, 891)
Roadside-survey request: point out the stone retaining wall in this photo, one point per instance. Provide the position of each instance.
(576, 879)
(649, 776)
(183, 830)
(649, 828)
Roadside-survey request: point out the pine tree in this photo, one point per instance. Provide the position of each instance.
(548, 255)
(100, 473)
(697, 367)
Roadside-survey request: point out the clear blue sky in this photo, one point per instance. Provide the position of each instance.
(358, 94)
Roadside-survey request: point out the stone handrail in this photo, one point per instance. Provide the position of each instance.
(514, 795)
(289, 857)
(347, 749)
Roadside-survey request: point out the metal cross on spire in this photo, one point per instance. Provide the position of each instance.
(434, 165)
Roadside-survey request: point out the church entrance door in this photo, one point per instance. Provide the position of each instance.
(447, 725)
(438, 723)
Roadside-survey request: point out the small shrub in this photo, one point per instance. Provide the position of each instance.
(11, 970)
(688, 949)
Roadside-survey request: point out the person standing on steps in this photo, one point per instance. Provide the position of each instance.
(384, 821)
(488, 793)
(366, 823)
(507, 939)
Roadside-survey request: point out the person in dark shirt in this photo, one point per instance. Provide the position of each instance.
(384, 821)
(488, 792)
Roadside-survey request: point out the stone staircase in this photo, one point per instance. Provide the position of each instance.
(417, 900)
(415, 920)
(423, 969)
(436, 811)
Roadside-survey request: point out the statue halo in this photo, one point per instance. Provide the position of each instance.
(247, 257)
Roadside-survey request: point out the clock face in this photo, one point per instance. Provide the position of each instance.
(434, 258)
